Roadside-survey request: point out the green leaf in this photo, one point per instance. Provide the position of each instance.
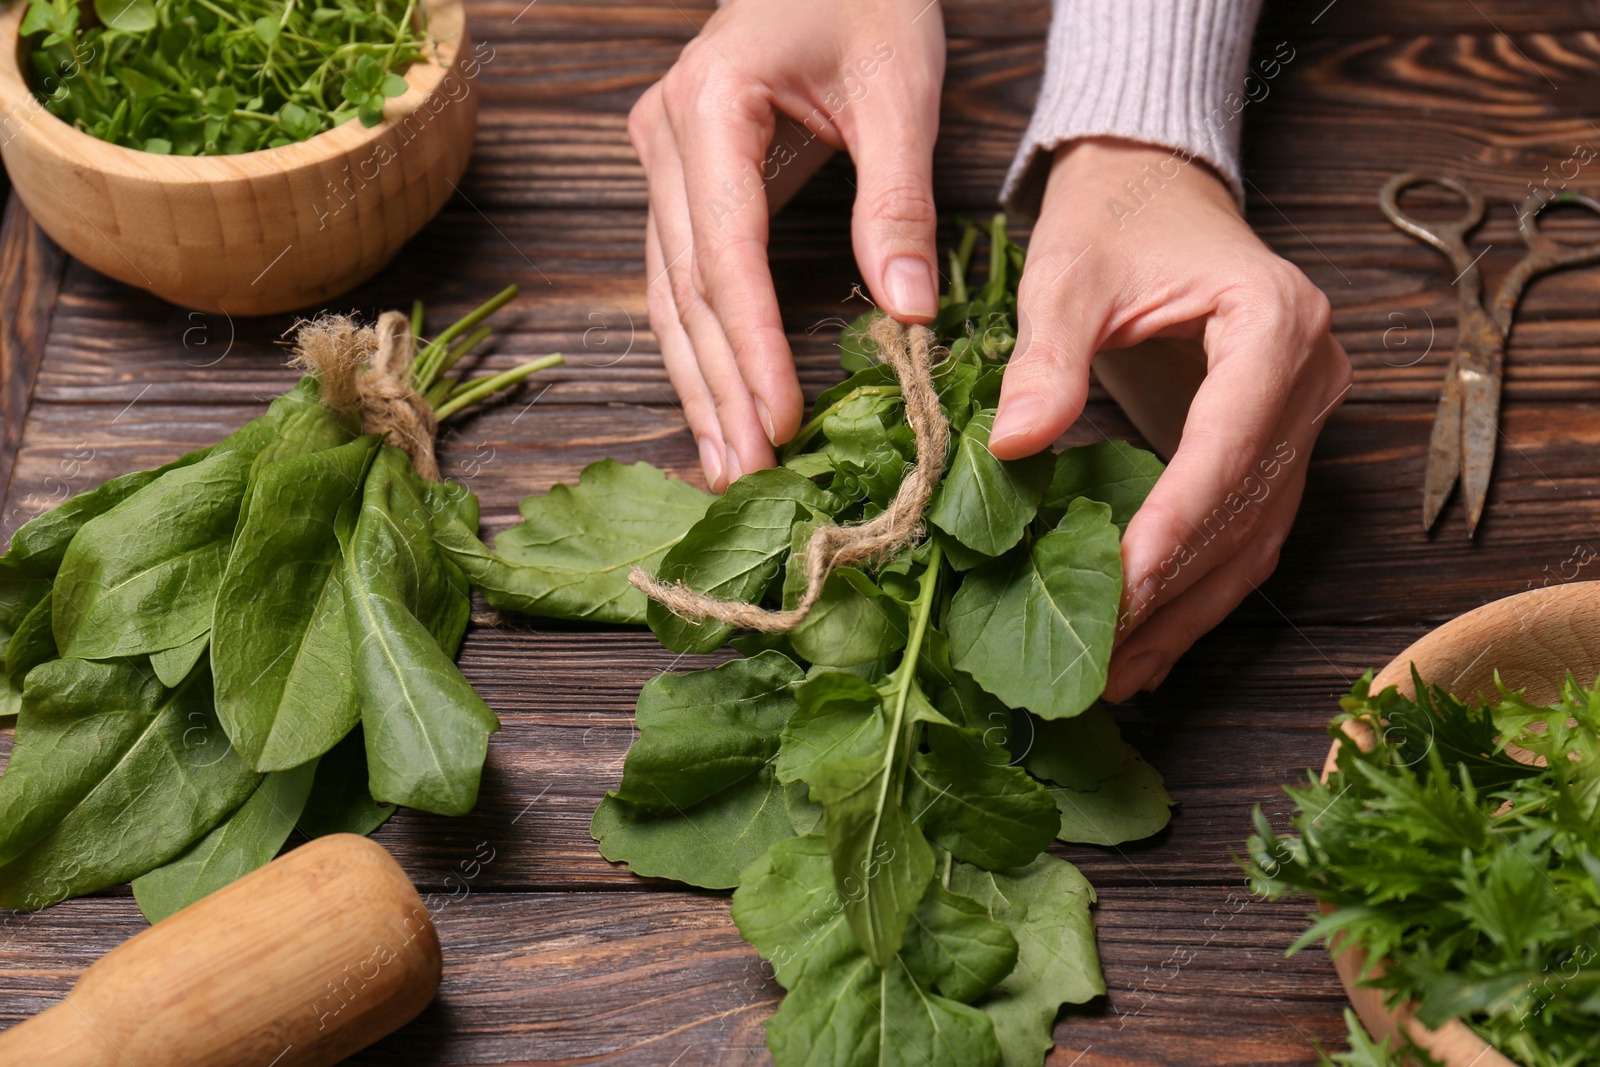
(571, 555)
(246, 840)
(859, 1013)
(703, 732)
(112, 774)
(1052, 607)
(853, 621)
(143, 576)
(973, 803)
(30, 564)
(839, 1000)
(881, 861)
(393, 85)
(127, 16)
(172, 665)
(31, 645)
(857, 350)
(40, 17)
(340, 802)
(735, 550)
(280, 646)
(840, 716)
(955, 947)
(1105, 792)
(985, 503)
(427, 730)
(707, 845)
(787, 907)
(267, 29)
(1112, 472)
(158, 145)
(869, 444)
(1045, 905)
(369, 72)
(698, 800)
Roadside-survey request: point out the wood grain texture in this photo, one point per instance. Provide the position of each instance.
(554, 955)
(571, 978)
(337, 917)
(30, 277)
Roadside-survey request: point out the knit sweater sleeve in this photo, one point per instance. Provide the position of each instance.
(1165, 72)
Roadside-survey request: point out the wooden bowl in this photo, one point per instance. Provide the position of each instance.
(258, 232)
(1533, 639)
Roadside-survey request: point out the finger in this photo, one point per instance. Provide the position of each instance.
(1252, 418)
(1060, 315)
(1143, 660)
(793, 158)
(678, 356)
(746, 446)
(891, 137)
(722, 142)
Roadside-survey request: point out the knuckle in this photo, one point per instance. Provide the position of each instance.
(680, 87)
(642, 120)
(902, 199)
(1264, 559)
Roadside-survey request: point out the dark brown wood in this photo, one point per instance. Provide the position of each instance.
(30, 273)
(571, 978)
(554, 955)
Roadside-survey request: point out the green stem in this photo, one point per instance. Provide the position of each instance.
(483, 388)
(416, 323)
(812, 428)
(996, 285)
(904, 678)
(427, 366)
(461, 348)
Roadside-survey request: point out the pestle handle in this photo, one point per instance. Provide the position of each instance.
(298, 964)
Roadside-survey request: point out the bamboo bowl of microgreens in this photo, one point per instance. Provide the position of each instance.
(253, 232)
(1533, 640)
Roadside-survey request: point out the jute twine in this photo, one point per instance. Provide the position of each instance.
(910, 354)
(368, 370)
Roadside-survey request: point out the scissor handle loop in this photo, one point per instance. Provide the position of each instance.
(1448, 237)
(1548, 252)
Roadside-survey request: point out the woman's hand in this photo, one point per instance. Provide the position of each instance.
(863, 75)
(1132, 243)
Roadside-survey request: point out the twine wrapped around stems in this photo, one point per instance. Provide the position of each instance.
(368, 370)
(909, 352)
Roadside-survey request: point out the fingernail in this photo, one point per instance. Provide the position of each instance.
(1019, 417)
(710, 461)
(1155, 682)
(733, 469)
(1138, 671)
(909, 284)
(766, 419)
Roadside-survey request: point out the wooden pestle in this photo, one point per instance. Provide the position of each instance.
(298, 964)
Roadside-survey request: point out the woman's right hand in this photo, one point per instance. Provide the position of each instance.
(863, 75)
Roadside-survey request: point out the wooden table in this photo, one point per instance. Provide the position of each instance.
(555, 956)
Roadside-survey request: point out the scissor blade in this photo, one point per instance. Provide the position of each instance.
(1480, 429)
(1444, 450)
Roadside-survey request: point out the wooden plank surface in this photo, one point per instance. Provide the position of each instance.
(554, 955)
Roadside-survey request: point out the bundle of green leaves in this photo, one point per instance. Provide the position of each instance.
(256, 636)
(880, 785)
(1463, 852)
(191, 77)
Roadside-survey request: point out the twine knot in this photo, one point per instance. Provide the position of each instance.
(368, 370)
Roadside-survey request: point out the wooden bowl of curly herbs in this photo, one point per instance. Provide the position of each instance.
(1546, 644)
(246, 158)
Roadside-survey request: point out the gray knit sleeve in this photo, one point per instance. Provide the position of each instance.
(1166, 72)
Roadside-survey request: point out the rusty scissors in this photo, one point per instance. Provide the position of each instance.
(1468, 417)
